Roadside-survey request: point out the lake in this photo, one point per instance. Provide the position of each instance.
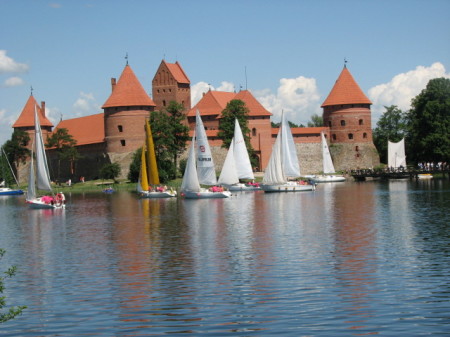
(349, 259)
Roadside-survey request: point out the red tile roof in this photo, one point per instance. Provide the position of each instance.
(213, 102)
(128, 92)
(85, 130)
(26, 118)
(177, 72)
(346, 91)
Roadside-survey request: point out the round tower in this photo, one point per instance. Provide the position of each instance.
(125, 112)
(346, 111)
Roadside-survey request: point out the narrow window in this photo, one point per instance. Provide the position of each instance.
(364, 135)
(361, 122)
(342, 123)
(164, 102)
(122, 142)
(356, 148)
(253, 132)
(120, 128)
(350, 136)
(334, 136)
(329, 124)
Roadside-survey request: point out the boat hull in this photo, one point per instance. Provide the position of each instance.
(242, 188)
(38, 204)
(425, 176)
(328, 179)
(157, 195)
(8, 191)
(205, 194)
(287, 188)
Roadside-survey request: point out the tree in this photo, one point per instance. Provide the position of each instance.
(170, 134)
(110, 171)
(429, 123)
(135, 166)
(316, 121)
(236, 109)
(391, 126)
(16, 148)
(64, 145)
(13, 311)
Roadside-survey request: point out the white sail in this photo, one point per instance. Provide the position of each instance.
(31, 191)
(328, 167)
(42, 172)
(205, 164)
(241, 158)
(229, 175)
(190, 180)
(274, 174)
(396, 154)
(290, 164)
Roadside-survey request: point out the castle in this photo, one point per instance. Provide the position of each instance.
(114, 135)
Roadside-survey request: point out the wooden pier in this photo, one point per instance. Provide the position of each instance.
(398, 173)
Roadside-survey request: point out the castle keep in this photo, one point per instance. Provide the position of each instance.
(115, 134)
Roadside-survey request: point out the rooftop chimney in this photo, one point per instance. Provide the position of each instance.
(113, 83)
(43, 108)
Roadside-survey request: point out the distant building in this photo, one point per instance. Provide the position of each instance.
(115, 134)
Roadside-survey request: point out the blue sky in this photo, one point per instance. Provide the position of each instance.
(287, 53)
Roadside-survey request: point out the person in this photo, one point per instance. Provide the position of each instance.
(60, 198)
(69, 182)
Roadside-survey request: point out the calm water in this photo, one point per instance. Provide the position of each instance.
(348, 259)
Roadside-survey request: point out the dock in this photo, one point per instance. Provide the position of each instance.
(398, 173)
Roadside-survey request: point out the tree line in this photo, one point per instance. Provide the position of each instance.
(425, 126)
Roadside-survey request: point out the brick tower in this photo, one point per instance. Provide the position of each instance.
(125, 112)
(25, 121)
(171, 84)
(346, 111)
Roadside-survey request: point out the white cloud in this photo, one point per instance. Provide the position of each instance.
(403, 88)
(85, 105)
(13, 81)
(8, 65)
(297, 97)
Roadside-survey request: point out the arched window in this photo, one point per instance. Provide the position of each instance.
(253, 132)
(164, 102)
(122, 142)
(342, 123)
(356, 148)
(120, 127)
(334, 136)
(361, 122)
(364, 135)
(329, 124)
(350, 136)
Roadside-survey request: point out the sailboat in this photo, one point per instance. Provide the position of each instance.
(329, 173)
(237, 165)
(200, 168)
(396, 154)
(148, 185)
(39, 177)
(5, 190)
(283, 164)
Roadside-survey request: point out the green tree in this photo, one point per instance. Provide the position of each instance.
(135, 166)
(12, 311)
(64, 145)
(16, 149)
(170, 134)
(316, 121)
(391, 126)
(110, 171)
(429, 123)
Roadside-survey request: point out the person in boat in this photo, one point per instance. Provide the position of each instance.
(60, 198)
(47, 199)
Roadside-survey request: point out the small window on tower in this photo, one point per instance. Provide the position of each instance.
(164, 102)
(334, 136)
(364, 135)
(122, 142)
(253, 132)
(329, 124)
(120, 128)
(342, 123)
(361, 122)
(350, 136)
